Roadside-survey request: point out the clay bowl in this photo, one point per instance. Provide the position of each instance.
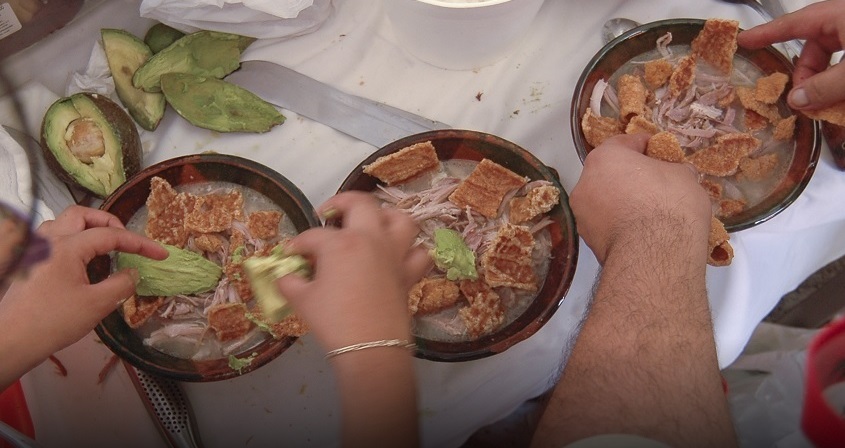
(475, 146)
(807, 138)
(132, 195)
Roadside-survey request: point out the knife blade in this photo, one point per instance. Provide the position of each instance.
(815, 301)
(370, 121)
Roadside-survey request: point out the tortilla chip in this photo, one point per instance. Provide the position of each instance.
(665, 146)
(537, 201)
(405, 164)
(713, 189)
(264, 224)
(229, 321)
(716, 44)
(432, 294)
(485, 188)
(215, 212)
(507, 262)
(484, 315)
(166, 211)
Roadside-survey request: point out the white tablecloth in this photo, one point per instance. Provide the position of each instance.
(524, 98)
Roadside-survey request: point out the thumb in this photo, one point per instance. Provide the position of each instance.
(109, 293)
(820, 90)
(293, 287)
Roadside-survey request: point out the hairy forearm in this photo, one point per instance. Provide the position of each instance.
(378, 395)
(645, 360)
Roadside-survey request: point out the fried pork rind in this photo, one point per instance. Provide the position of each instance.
(632, 96)
(657, 72)
(484, 315)
(229, 321)
(215, 212)
(754, 121)
(730, 207)
(432, 294)
(264, 224)
(664, 146)
(537, 201)
(137, 310)
(722, 159)
(209, 242)
(770, 88)
(720, 250)
(716, 44)
(485, 188)
(758, 168)
(166, 210)
(290, 326)
(234, 267)
(507, 262)
(683, 76)
(749, 101)
(834, 114)
(597, 129)
(404, 164)
(713, 189)
(785, 129)
(638, 124)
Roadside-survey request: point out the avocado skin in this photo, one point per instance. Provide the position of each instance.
(160, 36)
(203, 53)
(125, 54)
(218, 105)
(117, 121)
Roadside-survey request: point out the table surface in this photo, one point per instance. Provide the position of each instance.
(524, 98)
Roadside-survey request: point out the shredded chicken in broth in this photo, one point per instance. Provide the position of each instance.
(226, 223)
(501, 218)
(707, 106)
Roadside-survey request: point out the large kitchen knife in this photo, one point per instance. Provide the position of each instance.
(370, 121)
(815, 301)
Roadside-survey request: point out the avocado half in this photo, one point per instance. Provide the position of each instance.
(125, 54)
(90, 142)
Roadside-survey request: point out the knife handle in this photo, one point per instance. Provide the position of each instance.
(835, 137)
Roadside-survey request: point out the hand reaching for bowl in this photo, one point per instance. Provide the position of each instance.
(362, 273)
(628, 200)
(816, 83)
(54, 305)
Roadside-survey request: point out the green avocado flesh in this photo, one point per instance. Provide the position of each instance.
(203, 53)
(182, 272)
(218, 105)
(125, 54)
(90, 142)
(263, 272)
(160, 36)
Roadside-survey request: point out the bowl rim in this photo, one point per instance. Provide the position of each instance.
(270, 348)
(522, 327)
(463, 5)
(815, 137)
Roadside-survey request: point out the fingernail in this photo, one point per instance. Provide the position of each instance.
(329, 213)
(136, 277)
(798, 98)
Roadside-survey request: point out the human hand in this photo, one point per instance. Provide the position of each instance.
(362, 273)
(815, 83)
(625, 198)
(54, 304)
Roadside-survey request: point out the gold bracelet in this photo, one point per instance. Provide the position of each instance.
(403, 343)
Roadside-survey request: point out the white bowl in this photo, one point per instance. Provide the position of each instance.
(461, 34)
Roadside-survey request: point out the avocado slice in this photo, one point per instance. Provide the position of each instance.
(125, 53)
(89, 141)
(160, 36)
(203, 53)
(218, 105)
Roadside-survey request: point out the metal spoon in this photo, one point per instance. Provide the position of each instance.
(615, 27)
